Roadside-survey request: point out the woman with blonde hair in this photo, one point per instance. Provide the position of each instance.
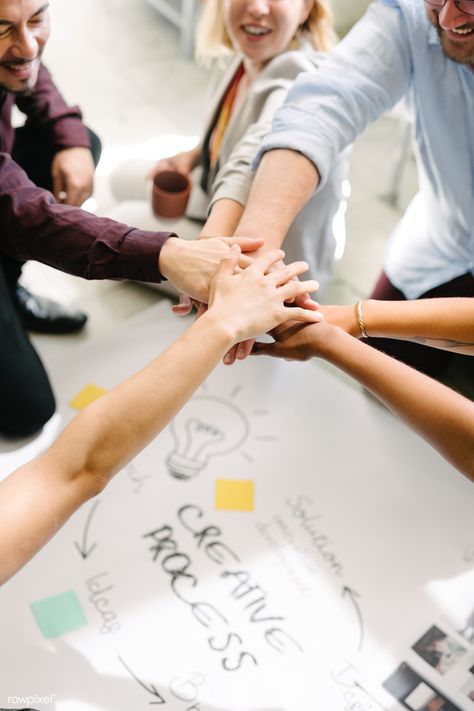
(258, 48)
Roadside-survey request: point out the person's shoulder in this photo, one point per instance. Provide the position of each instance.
(288, 65)
(414, 10)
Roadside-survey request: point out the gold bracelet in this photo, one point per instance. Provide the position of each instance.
(360, 319)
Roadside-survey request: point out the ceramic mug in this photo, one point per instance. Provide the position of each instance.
(170, 194)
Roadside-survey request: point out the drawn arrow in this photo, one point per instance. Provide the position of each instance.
(356, 683)
(151, 689)
(82, 548)
(353, 596)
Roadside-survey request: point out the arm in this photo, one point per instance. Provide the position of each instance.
(441, 416)
(37, 499)
(34, 226)
(440, 323)
(223, 218)
(365, 75)
(284, 182)
(61, 125)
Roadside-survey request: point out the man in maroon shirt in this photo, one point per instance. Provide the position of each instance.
(54, 146)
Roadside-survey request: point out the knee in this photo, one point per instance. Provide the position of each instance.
(29, 418)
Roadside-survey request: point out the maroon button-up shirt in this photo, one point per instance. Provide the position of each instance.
(34, 226)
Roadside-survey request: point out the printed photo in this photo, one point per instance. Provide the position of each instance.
(438, 649)
(415, 693)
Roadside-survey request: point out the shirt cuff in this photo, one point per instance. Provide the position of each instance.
(140, 255)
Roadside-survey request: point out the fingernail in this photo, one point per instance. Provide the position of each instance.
(227, 359)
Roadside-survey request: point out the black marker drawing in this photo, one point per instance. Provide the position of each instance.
(83, 549)
(353, 595)
(150, 689)
(206, 427)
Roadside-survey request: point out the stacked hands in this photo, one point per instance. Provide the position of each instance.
(254, 295)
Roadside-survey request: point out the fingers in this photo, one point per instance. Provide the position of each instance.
(306, 302)
(184, 307)
(296, 313)
(245, 261)
(231, 355)
(246, 244)
(287, 272)
(294, 288)
(244, 349)
(229, 262)
(59, 191)
(266, 260)
(269, 349)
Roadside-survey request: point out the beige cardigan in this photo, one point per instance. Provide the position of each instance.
(311, 235)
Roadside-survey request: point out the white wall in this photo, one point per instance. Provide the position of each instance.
(346, 12)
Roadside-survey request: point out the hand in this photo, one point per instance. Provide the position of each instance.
(182, 163)
(192, 264)
(252, 301)
(299, 341)
(242, 350)
(72, 171)
(185, 306)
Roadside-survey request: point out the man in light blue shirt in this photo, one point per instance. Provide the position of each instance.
(419, 50)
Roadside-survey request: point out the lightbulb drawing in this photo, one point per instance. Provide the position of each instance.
(206, 427)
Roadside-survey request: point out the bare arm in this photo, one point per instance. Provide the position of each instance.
(441, 416)
(37, 499)
(447, 323)
(223, 218)
(283, 183)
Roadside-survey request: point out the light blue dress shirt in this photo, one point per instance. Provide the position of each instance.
(393, 53)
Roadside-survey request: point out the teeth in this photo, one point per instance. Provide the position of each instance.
(251, 30)
(462, 32)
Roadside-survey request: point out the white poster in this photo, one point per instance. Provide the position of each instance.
(285, 545)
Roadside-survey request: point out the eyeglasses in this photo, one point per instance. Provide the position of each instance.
(466, 6)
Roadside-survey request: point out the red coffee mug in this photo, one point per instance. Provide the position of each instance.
(170, 194)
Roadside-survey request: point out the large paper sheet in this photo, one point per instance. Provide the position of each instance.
(285, 544)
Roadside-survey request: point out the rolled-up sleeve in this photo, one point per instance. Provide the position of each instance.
(364, 76)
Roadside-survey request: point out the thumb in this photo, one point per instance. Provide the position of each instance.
(269, 349)
(229, 262)
(184, 306)
(246, 244)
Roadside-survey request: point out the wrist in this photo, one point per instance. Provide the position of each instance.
(220, 328)
(169, 256)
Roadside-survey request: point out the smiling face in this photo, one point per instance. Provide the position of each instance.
(24, 31)
(455, 30)
(261, 29)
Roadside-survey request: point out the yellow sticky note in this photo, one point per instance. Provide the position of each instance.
(88, 394)
(235, 494)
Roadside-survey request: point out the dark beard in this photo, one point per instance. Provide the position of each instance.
(454, 56)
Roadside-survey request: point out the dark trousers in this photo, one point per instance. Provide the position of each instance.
(431, 361)
(26, 398)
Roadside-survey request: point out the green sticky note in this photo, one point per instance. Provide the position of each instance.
(58, 614)
(235, 494)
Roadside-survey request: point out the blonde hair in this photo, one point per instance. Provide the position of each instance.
(212, 39)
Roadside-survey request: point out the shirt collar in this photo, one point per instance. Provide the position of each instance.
(433, 37)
